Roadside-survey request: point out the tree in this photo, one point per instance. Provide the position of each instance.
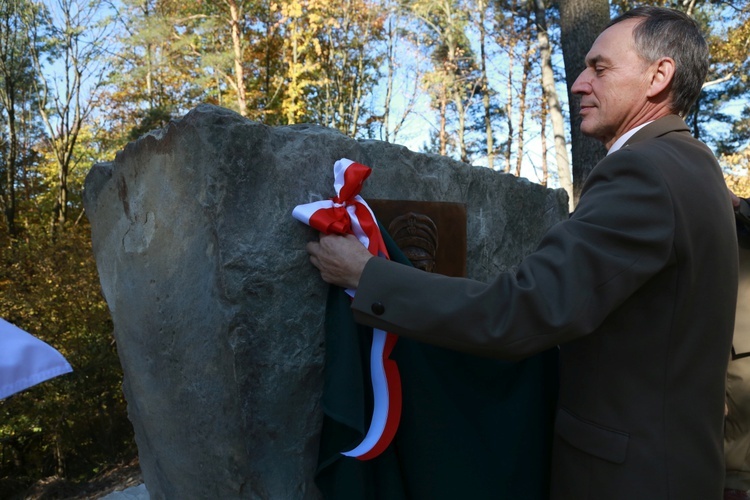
(455, 80)
(351, 56)
(581, 21)
(401, 60)
(511, 42)
(74, 39)
(513, 36)
(725, 93)
(16, 81)
(235, 15)
(217, 38)
(553, 103)
(74, 424)
(301, 51)
(484, 84)
(523, 93)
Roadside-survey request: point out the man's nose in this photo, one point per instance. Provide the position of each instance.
(581, 85)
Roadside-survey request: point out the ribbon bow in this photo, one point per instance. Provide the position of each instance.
(348, 213)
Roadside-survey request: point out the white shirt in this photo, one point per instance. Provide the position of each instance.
(624, 138)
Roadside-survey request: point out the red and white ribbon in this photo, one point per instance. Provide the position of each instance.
(348, 213)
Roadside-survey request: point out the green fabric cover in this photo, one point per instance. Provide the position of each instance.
(470, 427)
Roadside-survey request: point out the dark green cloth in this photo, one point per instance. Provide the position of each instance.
(470, 427)
(742, 217)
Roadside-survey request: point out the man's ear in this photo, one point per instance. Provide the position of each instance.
(661, 77)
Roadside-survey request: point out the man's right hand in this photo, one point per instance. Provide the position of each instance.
(340, 259)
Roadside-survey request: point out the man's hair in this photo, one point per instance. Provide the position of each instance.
(664, 32)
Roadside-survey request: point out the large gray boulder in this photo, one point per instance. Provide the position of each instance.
(218, 315)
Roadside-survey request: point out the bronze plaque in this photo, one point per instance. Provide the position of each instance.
(432, 234)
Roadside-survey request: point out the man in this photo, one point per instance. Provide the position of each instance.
(737, 425)
(638, 287)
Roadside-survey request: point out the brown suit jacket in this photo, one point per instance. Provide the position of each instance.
(638, 288)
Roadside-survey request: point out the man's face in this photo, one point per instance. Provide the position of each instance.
(613, 86)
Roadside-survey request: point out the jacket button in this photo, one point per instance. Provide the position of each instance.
(377, 308)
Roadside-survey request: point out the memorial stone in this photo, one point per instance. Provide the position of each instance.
(218, 314)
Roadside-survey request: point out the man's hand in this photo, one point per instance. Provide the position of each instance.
(340, 259)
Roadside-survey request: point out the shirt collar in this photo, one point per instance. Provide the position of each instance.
(624, 138)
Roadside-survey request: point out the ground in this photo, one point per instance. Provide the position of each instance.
(113, 479)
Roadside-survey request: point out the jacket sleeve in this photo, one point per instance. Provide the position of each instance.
(620, 235)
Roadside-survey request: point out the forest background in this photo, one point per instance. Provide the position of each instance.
(483, 81)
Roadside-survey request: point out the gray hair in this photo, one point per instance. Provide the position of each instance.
(664, 32)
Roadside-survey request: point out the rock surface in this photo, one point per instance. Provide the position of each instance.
(218, 315)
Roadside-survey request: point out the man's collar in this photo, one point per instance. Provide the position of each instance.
(624, 138)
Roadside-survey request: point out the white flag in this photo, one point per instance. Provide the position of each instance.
(25, 360)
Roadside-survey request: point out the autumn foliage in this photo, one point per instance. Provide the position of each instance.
(73, 425)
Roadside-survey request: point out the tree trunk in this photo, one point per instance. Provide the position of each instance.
(10, 67)
(291, 112)
(553, 104)
(390, 62)
(357, 88)
(489, 139)
(443, 121)
(61, 205)
(522, 97)
(11, 167)
(509, 105)
(581, 21)
(239, 74)
(9, 195)
(543, 138)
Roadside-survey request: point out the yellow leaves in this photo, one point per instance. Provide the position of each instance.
(731, 45)
(739, 185)
(326, 59)
(292, 10)
(738, 164)
(316, 47)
